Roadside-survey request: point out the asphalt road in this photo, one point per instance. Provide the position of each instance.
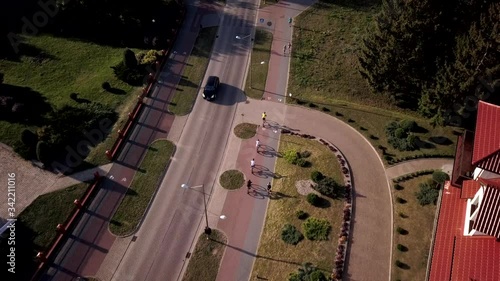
(168, 231)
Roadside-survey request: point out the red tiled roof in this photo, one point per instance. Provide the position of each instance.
(487, 136)
(469, 189)
(491, 163)
(488, 217)
(493, 182)
(457, 257)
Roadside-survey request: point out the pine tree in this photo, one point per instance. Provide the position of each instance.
(472, 73)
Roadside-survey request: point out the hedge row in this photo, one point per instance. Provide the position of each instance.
(391, 161)
(412, 175)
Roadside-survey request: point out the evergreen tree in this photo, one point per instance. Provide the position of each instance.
(473, 73)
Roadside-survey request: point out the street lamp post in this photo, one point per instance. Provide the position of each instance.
(208, 230)
(262, 62)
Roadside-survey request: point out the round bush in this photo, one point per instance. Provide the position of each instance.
(232, 179)
(408, 125)
(305, 154)
(290, 234)
(106, 86)
(313, 199)
(301, 215)
(317, 176)
(440, 177)
(400, 133)
(302, 162)
(316, 229)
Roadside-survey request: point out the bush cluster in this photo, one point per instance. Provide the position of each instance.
(148, 58)
(291, 235)
(440, 177)
(429, 193)
(316, 229)
(296, 158)
(327, 186)
(307, 273)
(129, 70)
(399, 135)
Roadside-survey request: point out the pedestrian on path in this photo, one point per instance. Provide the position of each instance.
(284, 49)
(269, 188)
(264, 115)
(252, 164)
(290, 47)
(257, 144)
(249, 184)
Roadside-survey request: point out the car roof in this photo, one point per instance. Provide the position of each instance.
(211, 79)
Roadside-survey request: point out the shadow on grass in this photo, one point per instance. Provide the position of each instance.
(22, 105)
(25, 251)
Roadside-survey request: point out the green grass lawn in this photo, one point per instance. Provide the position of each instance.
(56, 67)
(36, 226)
(193, 74)
(259, 65)
(276, 259)
(418, 221)
(143, 186)
(205, 261)
(245, 130)
(324, 75)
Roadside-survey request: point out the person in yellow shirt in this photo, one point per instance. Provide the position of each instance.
(264, 115)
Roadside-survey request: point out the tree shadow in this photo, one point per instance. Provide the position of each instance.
(25, 251)
(116, 91)
(22, 105)
(187, 83)
(441, 140)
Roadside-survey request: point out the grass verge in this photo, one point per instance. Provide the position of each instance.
(53, 68)
(245, 130)
(232, 179)
(276, 259)
(205, 261)
(418, 221)
(143, 186)
(259, 64)
(324, 75)
(35, 227)
(194, 70)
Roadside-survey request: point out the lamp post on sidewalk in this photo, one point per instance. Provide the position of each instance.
(262, 62)
(208, 230)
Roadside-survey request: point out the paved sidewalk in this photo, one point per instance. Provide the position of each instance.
(32, 181)
(407, 167)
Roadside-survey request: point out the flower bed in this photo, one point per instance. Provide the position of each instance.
(345, 229)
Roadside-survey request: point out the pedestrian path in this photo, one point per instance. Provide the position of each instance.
(407, 167)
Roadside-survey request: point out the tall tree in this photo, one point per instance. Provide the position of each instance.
(472, 75)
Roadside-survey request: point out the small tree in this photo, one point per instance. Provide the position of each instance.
(440, 177)
(408, 125)
(313, 199)
(291, 235)
(316, 229)
(427, 194)
(106, 86)
(129, 59)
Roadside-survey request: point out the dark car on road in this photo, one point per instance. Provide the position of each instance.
(211, 87)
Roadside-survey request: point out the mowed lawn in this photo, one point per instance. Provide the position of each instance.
(418, 221)
(56, 67)
(325, 75)
(276, 259)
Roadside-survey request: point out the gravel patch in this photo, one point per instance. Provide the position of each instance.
(304, 187)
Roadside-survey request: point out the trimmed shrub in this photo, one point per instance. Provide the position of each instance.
(290, 234)
(440, 177)
(402, 248)
(301, 215)
(401, 231)
(105, 85)
(313, 199)
(317, 176)
(408, 125)
(398, 187)
(302, 162)
(304, 154)
(427, 194)
(400, 200)
(74, 96)
(147, 58)
(330, 188)
(291, 156)
(316, 229)
(307, 272)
